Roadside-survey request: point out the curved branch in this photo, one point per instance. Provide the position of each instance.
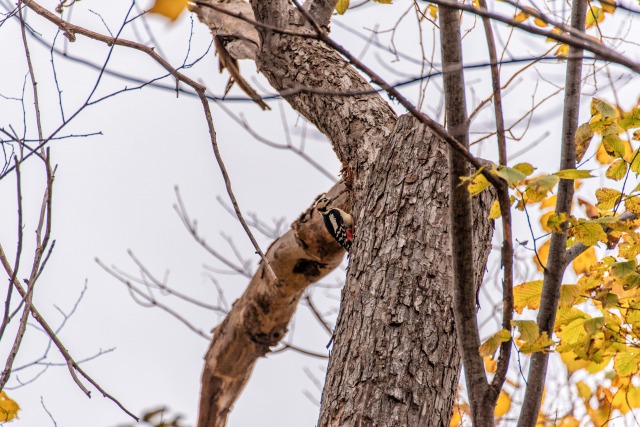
(258, 320)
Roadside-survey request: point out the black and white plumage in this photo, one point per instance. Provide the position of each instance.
(338, 223)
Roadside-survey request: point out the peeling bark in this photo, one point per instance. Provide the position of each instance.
(258, 320)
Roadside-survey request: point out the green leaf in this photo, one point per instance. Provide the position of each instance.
(555, 221)
(613, 145)
(598, 106)
(342, 6)
(612, 129)
(538, 188)
(526, 168)
(623, 268)
(617, 170)
(632, 281)
(573, 174)
(511, 175)
(630, 120)
(582, 138)
(607, 198)
(635, 162)
(491, 344)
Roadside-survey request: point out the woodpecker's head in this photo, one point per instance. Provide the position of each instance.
(322, 204)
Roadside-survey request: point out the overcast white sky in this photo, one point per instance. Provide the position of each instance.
(114, 192)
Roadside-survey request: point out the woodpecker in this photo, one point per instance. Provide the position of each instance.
(339, 223)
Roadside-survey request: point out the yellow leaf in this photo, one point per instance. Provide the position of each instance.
(572, 362)
(577, 335)
(607, 198)
(169, 8)
(569, 421)
(503, 405)
(526, 168)
(588, 233)
(342, 6)
(491, 344)
(539, 187)
(609, 6)
(530, 339)
(635, 162)
(625, 399)
(494, 213)
(456, 418)
(555, 30)
(521, 17)
(583, 137)
(562, 50)
(542, 255)
(478, 184)
(584, 391)
(573, 174)
(632, 204)
(540, 23)
(460, 410)
(568, 295)
(433, 11)
(8, 407)
(630, 248)
(627, 362)
(617, 170)
(383, 1)
(614, 145)
(594, 15)
(527, 295)
(602, 156)
(490, 364)
(549, 202)
(584, 261)
(543, 220)
(541, 344)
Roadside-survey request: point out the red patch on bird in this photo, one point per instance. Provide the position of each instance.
(349, 235)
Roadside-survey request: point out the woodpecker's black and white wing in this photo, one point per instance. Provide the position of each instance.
(340, 229)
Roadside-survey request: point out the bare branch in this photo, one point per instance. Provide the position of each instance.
(460, 217)
(557, 250)
(259, 319)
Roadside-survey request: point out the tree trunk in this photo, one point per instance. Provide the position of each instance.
(395, 361)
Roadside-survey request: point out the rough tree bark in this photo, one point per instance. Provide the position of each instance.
(395, 360)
